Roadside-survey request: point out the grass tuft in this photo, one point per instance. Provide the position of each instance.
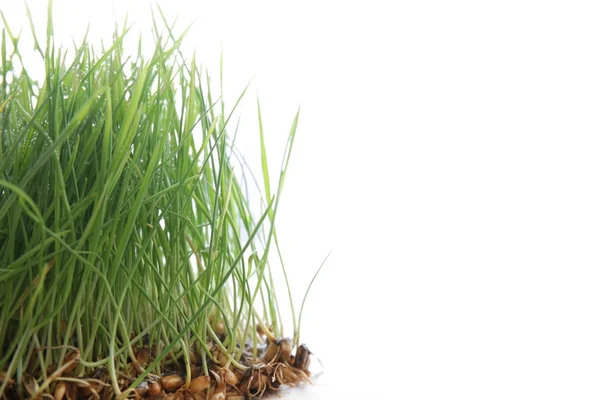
(130, 263)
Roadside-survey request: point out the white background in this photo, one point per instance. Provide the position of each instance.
(448, 155)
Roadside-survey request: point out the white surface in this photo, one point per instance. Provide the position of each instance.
(448, 155)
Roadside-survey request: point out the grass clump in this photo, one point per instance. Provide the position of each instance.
(130, 262)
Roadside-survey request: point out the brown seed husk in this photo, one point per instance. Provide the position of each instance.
(219, 328)
(272, 352)
(60, 391)
(73, 359)
(285, 349)
(143, 355)
(302, 358)
(170, 383)
(220, 358)
(230, 377)
(154, 388)
(199, 384)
